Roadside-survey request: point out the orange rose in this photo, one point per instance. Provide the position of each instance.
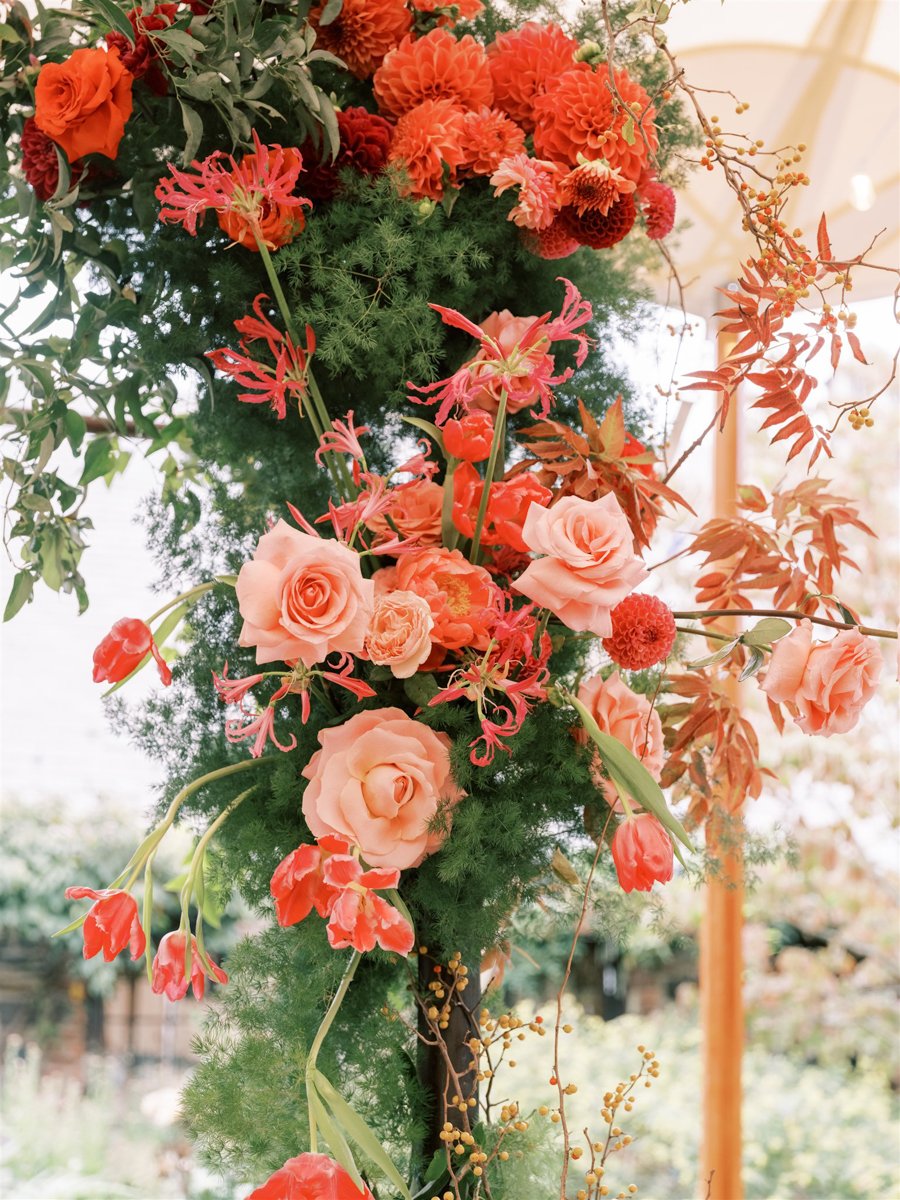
(415, 510)
(399, 634)
(462, 597)
(83, 103)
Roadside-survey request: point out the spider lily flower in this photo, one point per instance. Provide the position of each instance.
(286, 379)
(343, 438)
(260, 727)
(254, 199)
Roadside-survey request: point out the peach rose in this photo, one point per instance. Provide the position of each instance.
(590, 564)
(825, 686)
(462, 597)
(399, 636)
(628, 717)
(302, 597)
(379, 780)
(507, 331)
(415, 509)
(84, 102)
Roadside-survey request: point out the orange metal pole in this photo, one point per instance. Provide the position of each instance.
(721, 958)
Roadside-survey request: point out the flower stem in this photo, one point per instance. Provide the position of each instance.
(496, 443)
(321, 1034)
(791, 614)
(193, 593)
(196, 864)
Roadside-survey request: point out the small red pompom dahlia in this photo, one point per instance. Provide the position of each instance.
(553, 242)
(434, 67)
(657, 202)
(123, 648)
(40, 164)
(642, 852)
(597, 229)
(523, 62)
(142, 56)
(643, 632)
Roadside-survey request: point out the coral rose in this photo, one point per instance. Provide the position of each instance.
(628, 717)
(363, 31)
(399, 636)
(380, 780)
(310, 1177)
(415, 510)
(303, 597)
(590, 563)
(84, 102)
(827, 685)
(462, 597)
(434, 67)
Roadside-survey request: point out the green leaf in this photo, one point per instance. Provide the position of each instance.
(113, 15)
(427, 427)
(628, 131)
(359, 1131)
(708, 661)
(331, 11)
(76, 427)
(228, 580)
(421, 689)
(98, 460)
(193, 127)
(400, 905)
(629, 774)
(331, 1132)
(766, 631)
(21, 592)
(757, 658)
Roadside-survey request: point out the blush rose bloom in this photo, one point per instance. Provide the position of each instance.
(379, 781)
(303, 597)
(824, 685)
(415, 509)
(590, 563)
(630, 719)
(84, 102)
(399, 636)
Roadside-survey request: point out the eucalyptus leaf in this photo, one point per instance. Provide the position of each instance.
(21, 592)
(766, 631)
(708, 661)
(756, 660)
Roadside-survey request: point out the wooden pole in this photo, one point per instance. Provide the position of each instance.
(721, 958)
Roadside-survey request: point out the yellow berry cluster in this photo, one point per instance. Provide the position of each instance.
(499, 1033)
(454, 978)
(860, 418)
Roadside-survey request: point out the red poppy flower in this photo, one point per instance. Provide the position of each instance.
(310, 1177)
(642, 852)
(124, 648)
(169, 976)
(359, 918)
(298, 884)
(111, 924)
(470, 437)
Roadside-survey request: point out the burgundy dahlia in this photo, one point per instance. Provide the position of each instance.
(142, 59)
(596, 229)
(643, 632)
(657, 202)
(40, 164)
(365, 141)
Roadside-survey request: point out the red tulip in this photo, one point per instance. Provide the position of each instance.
(310, 1177)
(470, 437)
(111, 924)
(359, 918)
(168, 968)
(124, 648)
(298, 884)
(642, 852)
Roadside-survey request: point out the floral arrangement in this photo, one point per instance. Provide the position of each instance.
(427, 646)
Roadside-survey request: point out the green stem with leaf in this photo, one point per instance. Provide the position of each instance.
(316, 1046)
(490, 470)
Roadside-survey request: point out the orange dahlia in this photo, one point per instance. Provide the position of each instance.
(578, 114)
(434, 67)
(426, 141)
(593, 185)
(490, 137)
(523, 62)
(363, 32)
(449, 11)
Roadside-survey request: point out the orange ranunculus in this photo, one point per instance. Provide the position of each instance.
(470, 437)
(462, 597)
(414, 511)
(84, 102)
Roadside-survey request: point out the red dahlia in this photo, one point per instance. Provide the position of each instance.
(39, 162)
(553, 242)
(643, 632)
(596, 229)
(142, 58)
(657, 202)
(365, 141)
